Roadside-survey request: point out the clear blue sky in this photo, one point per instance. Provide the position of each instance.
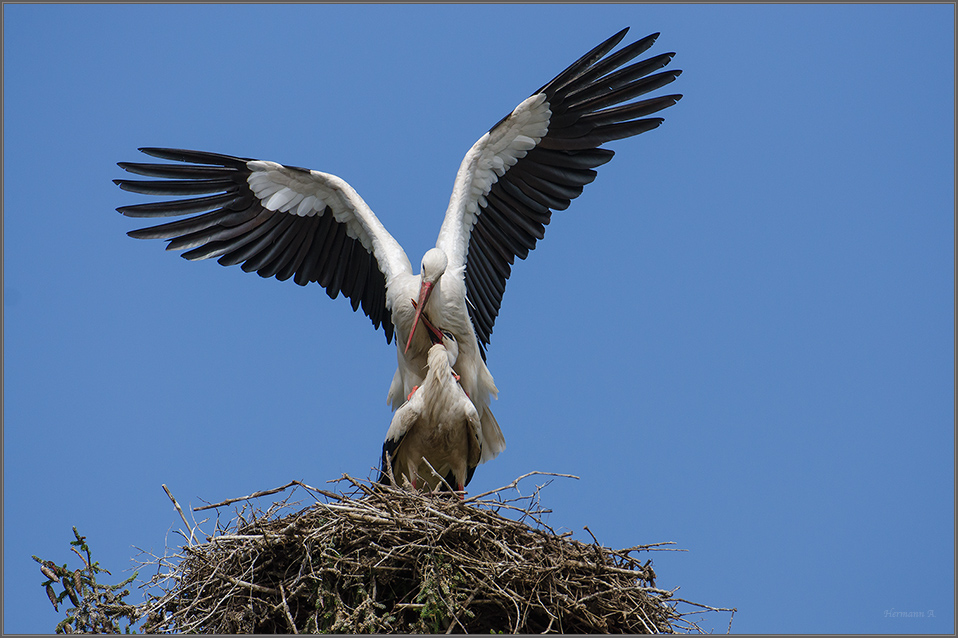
(740, 336)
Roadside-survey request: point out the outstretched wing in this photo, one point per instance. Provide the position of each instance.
(538, 158)
(279, 221)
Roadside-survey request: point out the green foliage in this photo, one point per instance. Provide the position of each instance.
(439, 594)
(97, 608)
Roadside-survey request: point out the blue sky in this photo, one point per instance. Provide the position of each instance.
(740, 336)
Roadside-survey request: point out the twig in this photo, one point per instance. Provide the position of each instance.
(515, 484)
(333, 495)
(586, 528)
(230, 501)
(85, 561)
(289, 616)
(180, 510)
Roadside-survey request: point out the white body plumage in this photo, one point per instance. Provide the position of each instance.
(434, 436)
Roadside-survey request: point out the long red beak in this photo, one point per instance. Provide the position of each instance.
(424, 291)
(435, 335)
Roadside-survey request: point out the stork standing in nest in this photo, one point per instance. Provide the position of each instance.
(435, 437)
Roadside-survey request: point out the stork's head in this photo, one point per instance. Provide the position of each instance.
(447, 349)
(451, 345)
(433, 266)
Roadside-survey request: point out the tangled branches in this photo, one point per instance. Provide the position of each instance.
(98, 608)
(383, 559)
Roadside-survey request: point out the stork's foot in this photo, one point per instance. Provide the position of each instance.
(412, 392)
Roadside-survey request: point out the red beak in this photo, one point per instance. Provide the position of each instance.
(424, 291)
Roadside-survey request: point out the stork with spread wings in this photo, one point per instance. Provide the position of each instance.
(289, 222)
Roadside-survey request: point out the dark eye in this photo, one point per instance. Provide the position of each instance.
(448, 335)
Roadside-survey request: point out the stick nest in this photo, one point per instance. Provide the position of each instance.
(382, 560)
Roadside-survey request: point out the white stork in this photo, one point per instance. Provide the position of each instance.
(435, 437)
(284, 221)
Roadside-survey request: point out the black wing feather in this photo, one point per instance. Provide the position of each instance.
(589, 105)
(226, 220)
